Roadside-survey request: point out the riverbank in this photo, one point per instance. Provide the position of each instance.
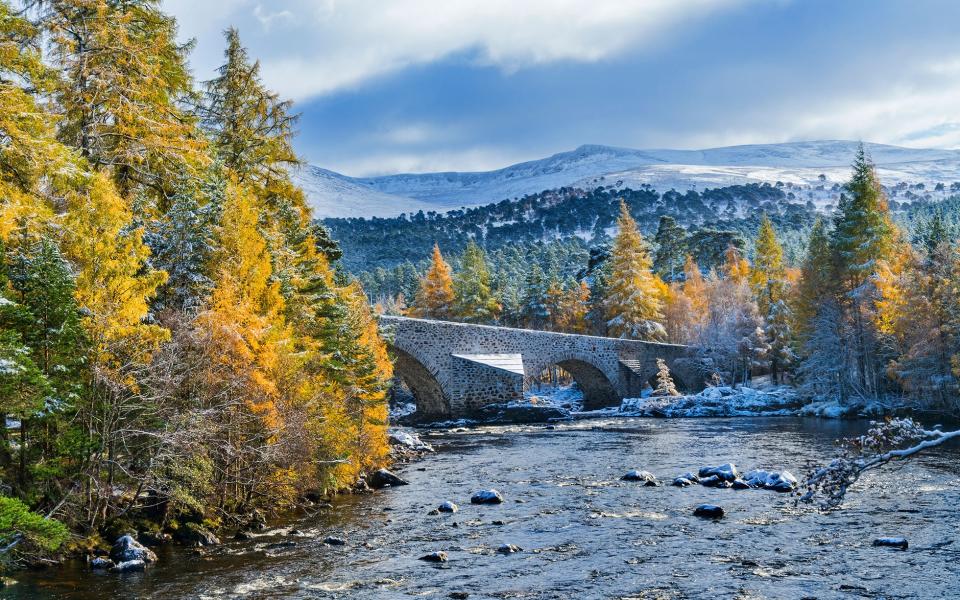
(760, 399)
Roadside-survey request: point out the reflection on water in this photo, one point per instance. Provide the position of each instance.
(584, 533)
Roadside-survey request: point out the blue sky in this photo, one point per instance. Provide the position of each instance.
(388, 86)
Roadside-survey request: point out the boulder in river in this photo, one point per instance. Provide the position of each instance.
(490, 496)
(448, 507)
(708, 511)
(739, 484)
(691, 477)
(382, 478)
(726, 472)
(332, 540)
(681, 482)
(516, 413)
(195, 535)
(101, 562)
(891, 542)
(645, 477)
(129, 565)
(126, 549)
(783, 481)
(437, 557)
(509, 549)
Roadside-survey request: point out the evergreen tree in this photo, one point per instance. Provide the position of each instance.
(473, 298)
(634, 300)
(434, 299)
(665, 385)
(670, 242)
(250, 126)
(862, 242)
(536, 313)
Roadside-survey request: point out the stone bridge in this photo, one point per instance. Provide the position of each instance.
(455, 368)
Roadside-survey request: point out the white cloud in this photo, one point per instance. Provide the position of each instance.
(321, 46)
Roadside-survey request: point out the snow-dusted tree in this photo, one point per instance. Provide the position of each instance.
(863, 241)
(930, 327)
(821, 371)
(473, 299)
(182, 244)
(665, 385)
(535, 313)
(634, 300)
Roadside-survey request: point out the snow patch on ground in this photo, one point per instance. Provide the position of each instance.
(567, 397)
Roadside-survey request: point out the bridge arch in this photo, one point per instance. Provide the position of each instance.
(597, 386)
(428, 393)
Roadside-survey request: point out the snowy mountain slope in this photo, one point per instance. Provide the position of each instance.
(800, 163)
(334, 195)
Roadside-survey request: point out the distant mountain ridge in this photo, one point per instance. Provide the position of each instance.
(335, 195)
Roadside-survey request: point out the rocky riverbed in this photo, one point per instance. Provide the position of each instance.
(570, 526)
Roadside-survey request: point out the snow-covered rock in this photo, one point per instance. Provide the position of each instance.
(129, 565)
(408, 439)
(490, 496)
(448, 507)
(726, 472)
(778, 481)
(646, 477)
(101, 562)
(126, 549)
(509, 549)
(681, 482)
(332, 540)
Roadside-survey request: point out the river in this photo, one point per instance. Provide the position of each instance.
(584, 533)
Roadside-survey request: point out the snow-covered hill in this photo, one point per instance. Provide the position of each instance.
(798, 163)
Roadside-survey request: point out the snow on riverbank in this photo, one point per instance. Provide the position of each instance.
(719, 401)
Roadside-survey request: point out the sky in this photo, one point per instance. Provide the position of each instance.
(392, 86)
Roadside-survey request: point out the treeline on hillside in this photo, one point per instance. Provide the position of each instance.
(870, 314)
(564, 214)
(175, 349)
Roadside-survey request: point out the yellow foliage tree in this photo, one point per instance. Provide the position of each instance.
(634, 301)
(434, 298)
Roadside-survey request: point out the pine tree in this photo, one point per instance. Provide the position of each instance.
(665, 385)
(816, 281)
(473, 297)
(535, 312)
(634, 300)
(434, 299)
(670, 242)
(251, 127)
(862, 242)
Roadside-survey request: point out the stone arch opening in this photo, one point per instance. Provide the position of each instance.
(598, 391)
(427, 392)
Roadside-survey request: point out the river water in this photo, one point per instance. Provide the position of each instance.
(584, 533)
